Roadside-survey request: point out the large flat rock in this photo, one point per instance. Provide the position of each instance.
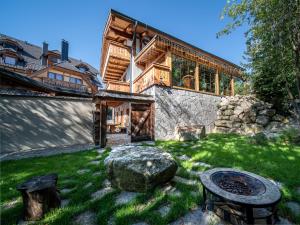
(139, 168)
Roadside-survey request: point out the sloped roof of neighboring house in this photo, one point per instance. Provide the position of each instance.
(32, 57)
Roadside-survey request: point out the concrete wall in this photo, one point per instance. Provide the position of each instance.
(43, 122)
(174, 107)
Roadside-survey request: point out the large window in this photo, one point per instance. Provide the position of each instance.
(207, 78)
(225, 87)
(183, 72)
(10, 60)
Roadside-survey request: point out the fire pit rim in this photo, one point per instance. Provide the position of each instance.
(269, 197)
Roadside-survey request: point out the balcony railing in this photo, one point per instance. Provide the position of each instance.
(155, 74)
(118, 86)
(119, 51)
(64, 84)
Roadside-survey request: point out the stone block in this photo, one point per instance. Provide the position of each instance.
(228, 112)
(262, 120)
(189, 133)
(223, 123)
(267, 112)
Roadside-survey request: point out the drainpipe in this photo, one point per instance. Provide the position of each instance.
(132, 58)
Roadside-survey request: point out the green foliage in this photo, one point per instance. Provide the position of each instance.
(273, 46)
(291, 136)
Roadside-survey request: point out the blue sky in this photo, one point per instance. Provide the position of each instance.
(81, 22)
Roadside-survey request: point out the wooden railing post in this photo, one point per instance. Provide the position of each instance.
(217, 83)
(232, 85)
(169, 64)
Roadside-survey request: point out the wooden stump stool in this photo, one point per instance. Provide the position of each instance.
(39, 196)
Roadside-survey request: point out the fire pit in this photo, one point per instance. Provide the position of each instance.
(239, 196)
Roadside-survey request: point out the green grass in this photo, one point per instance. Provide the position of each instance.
(277, 160)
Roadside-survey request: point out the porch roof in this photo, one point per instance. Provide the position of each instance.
(103, 95)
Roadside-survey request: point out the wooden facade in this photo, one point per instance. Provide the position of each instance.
(135, 54)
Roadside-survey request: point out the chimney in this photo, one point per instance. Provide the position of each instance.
(45, 52)
(64, 50)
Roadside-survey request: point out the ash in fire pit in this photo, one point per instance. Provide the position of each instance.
(238, 183)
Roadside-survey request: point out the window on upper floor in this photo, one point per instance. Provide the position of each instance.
(55, 76)
(82, 69)
(75, 80)
(10, 60)
(183, 72)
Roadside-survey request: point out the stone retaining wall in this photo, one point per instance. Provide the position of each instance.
(249, 115)
(33, 123)
(175, 108)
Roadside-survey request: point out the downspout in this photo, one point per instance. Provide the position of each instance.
(132, 57)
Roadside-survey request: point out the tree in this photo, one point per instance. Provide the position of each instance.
(273, 47)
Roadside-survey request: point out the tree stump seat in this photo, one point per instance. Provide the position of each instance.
(40, 195)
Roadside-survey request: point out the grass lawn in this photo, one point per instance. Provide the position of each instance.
(277, 160)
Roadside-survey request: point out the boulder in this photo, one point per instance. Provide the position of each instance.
(139, 168)
(262, 120)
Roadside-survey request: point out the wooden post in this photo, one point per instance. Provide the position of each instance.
(217, 83)
(169, 64)
(103, 118)
(232, 85)
(197, 80)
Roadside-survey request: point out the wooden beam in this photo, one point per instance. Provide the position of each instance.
(197, 85)
(120, 33)
(232, 86)
(169, 64)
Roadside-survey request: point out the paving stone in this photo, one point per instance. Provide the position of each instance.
(23, 222)
(170, 190)
(195, 146)
(94, 162)
(283, 221)
(106, 183)
(197, 217)
(11, 204)
(184, 181)
(152, 143)
(185, 145)
(88, 185)
(140, 223)
(125, 197)
(194, 193)
(97, 173)
(65, 202)
(101, 193)
(85, 218)
(83, 171)
(164, 210)
(101, 151)
(298, 190)
(66, 190)
(203, 164)
(294, 207)
(111, 221)
(184, 157)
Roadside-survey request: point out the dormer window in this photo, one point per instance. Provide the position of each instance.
(82, 67)
(10, 60)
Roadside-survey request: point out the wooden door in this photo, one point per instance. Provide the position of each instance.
(141, 122)
(100, 124)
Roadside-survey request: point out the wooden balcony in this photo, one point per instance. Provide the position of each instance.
(155, 74)
(118, 86)
(117, 61)
(64, 84)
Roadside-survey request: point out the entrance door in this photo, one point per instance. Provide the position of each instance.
(142, 121)
(100, 124)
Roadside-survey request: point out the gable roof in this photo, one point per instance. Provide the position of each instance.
(32, 57)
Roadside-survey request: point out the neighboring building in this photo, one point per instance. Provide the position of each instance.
(184, 81)
(57, 71)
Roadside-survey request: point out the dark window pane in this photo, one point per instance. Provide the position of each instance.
(72, 80)
(183, 72)
(207, 78)
(225, 84)
(78, 81)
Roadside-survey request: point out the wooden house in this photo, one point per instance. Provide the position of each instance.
(185, 82)
(55, 69)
